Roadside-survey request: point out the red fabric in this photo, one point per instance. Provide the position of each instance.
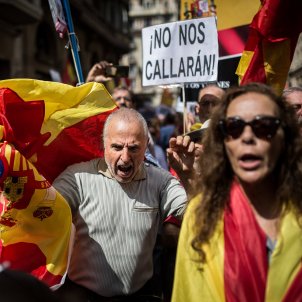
(246, 263)
(30, 209)
(69, 147)
(237, 35)
(294, 293)
(255, 71)
(19, 113)
(173, 172)
(35, 261)
(276, 21)
(173, 220)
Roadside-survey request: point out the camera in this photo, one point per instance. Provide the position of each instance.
(117, 71)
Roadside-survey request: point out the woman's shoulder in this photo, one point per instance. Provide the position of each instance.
(189, 215)
(194, 202)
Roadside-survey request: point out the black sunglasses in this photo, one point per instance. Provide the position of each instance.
(264, 127)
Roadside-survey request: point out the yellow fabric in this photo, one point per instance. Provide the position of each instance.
(276, 58)
(277, 61)
(190, 283)
(86, 99)
(232, 13)
(51, 233)
(285, 260)
(244, 63)
(195, 126)
(193, 285)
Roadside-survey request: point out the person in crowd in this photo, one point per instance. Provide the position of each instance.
(168, 129)
(119, 204)
(154, 129)
(293, 96)
(208, 99)
(240, 239)
(97, 73)
(183, 153)
(16, 286)
(123, 97)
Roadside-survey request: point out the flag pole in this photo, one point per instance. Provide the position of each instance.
(73, 42)
(184, 109)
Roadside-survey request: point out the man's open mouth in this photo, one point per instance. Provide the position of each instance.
(125, 169)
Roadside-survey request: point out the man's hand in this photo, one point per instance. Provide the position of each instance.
(181, 154)
(97, 73)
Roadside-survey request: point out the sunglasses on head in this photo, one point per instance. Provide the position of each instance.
(264, 127)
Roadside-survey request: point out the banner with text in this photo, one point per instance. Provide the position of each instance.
(180, 52)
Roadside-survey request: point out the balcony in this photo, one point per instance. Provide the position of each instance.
(23, 12)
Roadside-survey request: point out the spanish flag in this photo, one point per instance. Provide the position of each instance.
(55, 125)
(269, 50)
(44, 127)
(35, 221)
(238, 266)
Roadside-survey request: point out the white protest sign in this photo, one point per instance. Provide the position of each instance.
(180, 52)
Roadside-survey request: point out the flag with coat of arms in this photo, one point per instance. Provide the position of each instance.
(44, 127)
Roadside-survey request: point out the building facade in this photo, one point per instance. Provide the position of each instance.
(31, 48)
(144, 13)
(106, 30)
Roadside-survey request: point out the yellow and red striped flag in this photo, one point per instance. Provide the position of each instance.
(35, 221)
(271, 43)
(44, 127)
(55, 125)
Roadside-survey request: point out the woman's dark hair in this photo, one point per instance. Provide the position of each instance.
(217, 175)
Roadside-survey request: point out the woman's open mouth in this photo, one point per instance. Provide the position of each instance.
(249, 161)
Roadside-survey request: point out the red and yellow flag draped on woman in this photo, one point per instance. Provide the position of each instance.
(238, 268)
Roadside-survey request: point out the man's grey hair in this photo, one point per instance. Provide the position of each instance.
(290, 90)
(127, 115)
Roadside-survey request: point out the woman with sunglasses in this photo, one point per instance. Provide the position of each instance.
(241, 238)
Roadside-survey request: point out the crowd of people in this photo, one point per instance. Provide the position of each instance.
(229, 204)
